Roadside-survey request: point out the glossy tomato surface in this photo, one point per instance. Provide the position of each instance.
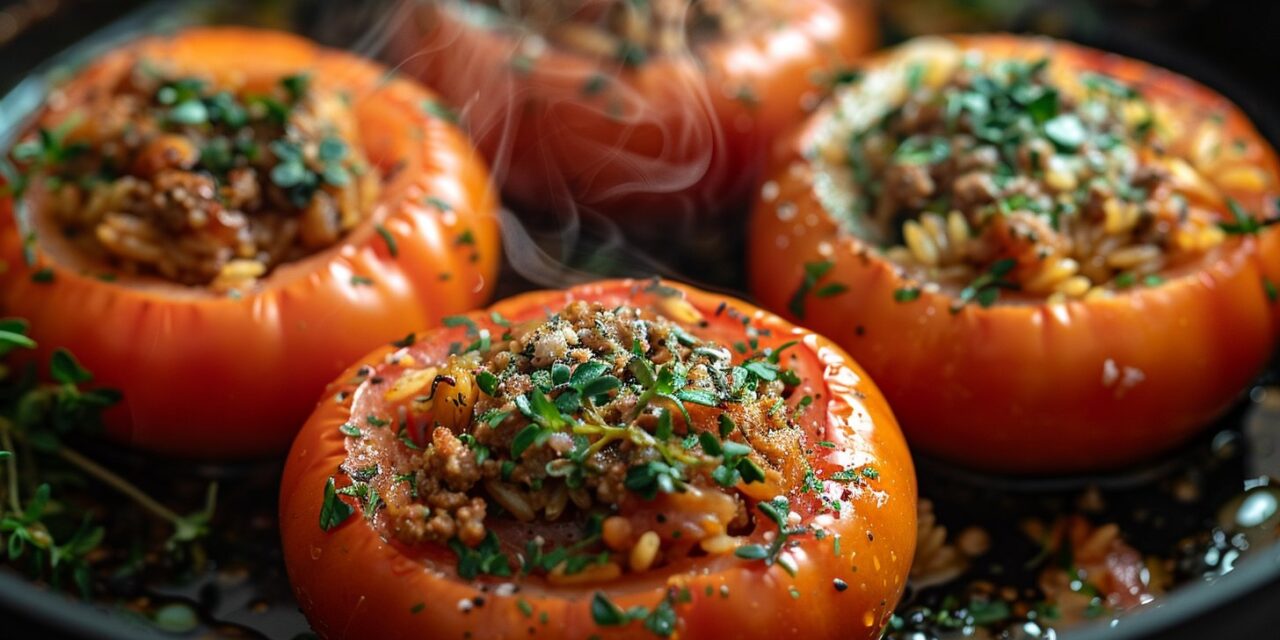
(1031, 387)
(353, 582)
(213, 375)
(671, 136)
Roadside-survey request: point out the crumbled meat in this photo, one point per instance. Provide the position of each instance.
(995, 166)
(199, 183)
(510, 458)
(908, 185)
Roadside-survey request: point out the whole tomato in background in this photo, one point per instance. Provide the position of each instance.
(662, 146)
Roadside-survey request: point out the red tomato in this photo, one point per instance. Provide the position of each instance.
(352, 581)
(669, 137)
(210, 375)
(1028, 386)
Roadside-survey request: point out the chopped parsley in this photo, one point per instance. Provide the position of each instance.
(333, 511)
(390, 240)
(907, 294)
(661, 621)
(486, 558)
(777, 510)
(1243, 222)
(435, 109)
(985, 289)
(814, 272)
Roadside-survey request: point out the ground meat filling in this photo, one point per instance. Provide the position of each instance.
(203, 184)
(996, 179)
(631, 32)
(616, 421)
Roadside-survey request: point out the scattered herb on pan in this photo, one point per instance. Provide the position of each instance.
(49, 529)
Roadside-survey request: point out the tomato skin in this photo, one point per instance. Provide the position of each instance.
(215, 376)
(670, 138)
(1026, 387)
(351, 582)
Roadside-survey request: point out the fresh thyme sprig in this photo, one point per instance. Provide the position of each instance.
(36, 417)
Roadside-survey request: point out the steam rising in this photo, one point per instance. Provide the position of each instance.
(571, 143)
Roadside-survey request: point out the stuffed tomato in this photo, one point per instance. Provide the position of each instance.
(218, 221)
(622, 459)
(1050, 258)
(632, 109)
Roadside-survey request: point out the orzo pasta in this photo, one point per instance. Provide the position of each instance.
(985, 175)
(597, 415)
(625, 458)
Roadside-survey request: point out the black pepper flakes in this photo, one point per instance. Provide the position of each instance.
(840, 585)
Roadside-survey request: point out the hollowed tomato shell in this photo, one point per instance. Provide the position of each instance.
(1025, 386)
(351, 582)
(669, 137)
(213, 375)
